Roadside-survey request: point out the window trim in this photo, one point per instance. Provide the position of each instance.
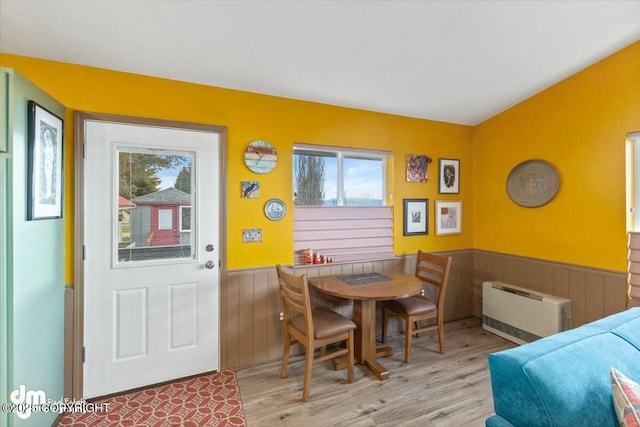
(633, 182)
(340, 153)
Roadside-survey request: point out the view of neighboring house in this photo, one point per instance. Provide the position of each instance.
(161, 220)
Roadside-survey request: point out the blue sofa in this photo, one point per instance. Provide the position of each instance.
(563, 380)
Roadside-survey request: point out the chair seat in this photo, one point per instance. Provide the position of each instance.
(326, 323)
(412, 306)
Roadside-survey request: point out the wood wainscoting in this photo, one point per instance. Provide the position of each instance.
(250, 327)
(594, 293)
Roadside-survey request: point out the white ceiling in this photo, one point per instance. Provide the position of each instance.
(453, 61)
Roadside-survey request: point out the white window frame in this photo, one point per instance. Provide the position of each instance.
(633, 181)
(340, 153)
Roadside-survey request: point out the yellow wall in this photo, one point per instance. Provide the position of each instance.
(578, 125)
(280, 121)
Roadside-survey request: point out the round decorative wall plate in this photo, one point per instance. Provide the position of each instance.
(275, 209)
(533, 183)
(260, 157)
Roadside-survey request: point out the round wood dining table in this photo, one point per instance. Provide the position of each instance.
(364, 296)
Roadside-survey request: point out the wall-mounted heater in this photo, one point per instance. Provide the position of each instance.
(522, 315)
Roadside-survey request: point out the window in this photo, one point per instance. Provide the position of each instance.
(340, 203)
(329, 176)
(185, 218)
(633, 181)
(165, 219)
(154, 201)
(633, 219)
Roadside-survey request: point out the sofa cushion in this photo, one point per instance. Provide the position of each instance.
(629, 331)
(626, 399)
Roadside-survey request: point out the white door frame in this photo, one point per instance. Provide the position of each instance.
(74, 361)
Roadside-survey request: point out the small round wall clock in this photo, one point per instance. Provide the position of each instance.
(533, 183)
(260, 157)
(275, 209)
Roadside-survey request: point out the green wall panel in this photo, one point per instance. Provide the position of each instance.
(33, 252)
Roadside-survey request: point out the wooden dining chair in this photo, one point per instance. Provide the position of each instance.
(313, 328)
(431, 269)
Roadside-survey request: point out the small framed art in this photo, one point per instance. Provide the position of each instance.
(416, 217)
(44, 163)
(250, 189)
(252, 235)
(417, 168)
(448, 217)
(449, 176)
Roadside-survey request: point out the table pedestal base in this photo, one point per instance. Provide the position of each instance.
(374, 366)
(366, 353)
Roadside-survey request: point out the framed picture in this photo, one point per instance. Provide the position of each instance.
(448, 217)
(416, 216)
(449, 176)
(252, 235)
(44, 163)
(250, 189)
(417, 168)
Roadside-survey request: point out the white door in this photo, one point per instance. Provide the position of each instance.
(151, 257)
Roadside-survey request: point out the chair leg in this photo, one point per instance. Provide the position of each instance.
(308, 367)
(415, 326)
(408, 333)
(350, 357)
(285, 353)
(384, 325)
(441, 335)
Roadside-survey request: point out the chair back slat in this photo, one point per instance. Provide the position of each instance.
(434, 269)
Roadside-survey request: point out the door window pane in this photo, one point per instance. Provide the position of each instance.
(155, 196)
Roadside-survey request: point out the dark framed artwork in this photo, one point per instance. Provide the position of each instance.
(449, 176)
(416, 217)
(44, 163)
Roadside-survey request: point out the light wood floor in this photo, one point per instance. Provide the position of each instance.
(451, 389)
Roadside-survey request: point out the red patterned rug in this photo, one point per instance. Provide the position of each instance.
(208, 400)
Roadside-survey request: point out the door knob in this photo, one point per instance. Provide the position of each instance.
(209, 264)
